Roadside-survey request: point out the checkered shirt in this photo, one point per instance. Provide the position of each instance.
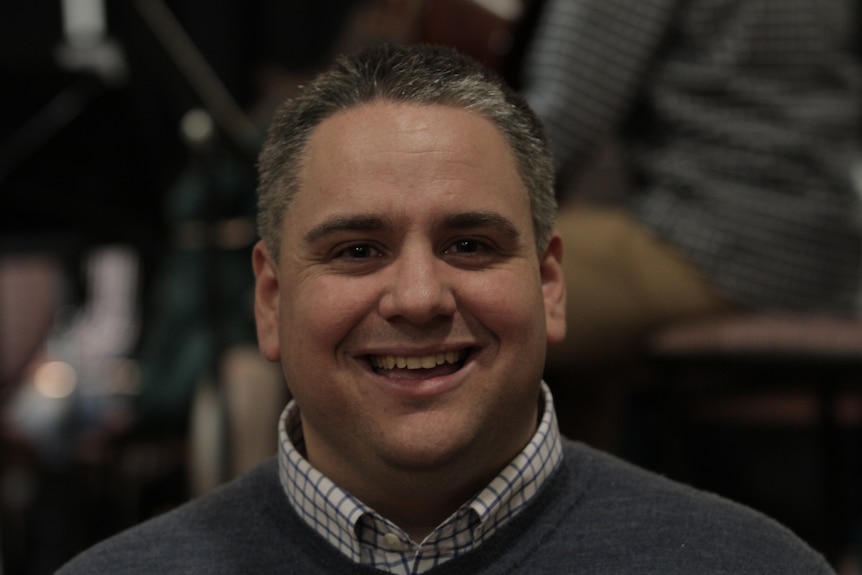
(370, 539)
(741, 123)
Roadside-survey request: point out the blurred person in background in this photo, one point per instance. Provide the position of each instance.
(704, 153)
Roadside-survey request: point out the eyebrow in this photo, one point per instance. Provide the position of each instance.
(339, 224)
(370, 223)
(487, 220)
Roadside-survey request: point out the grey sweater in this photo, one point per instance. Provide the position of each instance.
(595, 515)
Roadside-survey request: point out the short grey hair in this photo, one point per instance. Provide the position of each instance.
(413, 73)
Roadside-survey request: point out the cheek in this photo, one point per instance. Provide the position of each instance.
(321, 312)
(508, 304)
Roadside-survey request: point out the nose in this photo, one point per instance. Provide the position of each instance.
(418, 288)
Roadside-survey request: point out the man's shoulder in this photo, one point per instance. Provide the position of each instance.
(240, 516)
(642, 514)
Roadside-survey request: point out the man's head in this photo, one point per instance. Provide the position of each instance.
(410, 74)
(408, 303)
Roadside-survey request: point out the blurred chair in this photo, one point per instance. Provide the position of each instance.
(766, 368)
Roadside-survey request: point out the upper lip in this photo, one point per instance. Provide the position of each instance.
(414, 352)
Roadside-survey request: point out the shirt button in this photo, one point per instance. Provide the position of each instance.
(391, 540)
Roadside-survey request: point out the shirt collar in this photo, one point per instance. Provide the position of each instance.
(365, 537)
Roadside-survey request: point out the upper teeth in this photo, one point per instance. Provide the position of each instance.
(424, 362)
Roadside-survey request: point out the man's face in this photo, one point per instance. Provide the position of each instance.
(409, 308)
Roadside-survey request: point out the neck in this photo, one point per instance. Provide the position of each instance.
(420, 505)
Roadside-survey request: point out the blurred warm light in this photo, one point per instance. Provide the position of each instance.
(55, 379)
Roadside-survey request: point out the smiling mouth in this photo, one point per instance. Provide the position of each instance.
(451, 359)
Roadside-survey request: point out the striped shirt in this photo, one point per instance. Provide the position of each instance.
(370, 539)
(741, 123)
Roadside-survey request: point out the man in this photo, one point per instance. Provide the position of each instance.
(408, 281)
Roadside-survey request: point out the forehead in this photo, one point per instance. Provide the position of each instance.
(385, 122)
(387, 138)
(408, 160)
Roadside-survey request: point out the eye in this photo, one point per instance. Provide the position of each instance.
(359, 251)
(472, 253)
(467, 246)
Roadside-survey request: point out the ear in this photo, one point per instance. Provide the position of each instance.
(266, 302)
(554, 289)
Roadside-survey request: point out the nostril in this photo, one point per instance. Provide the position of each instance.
(417, 305)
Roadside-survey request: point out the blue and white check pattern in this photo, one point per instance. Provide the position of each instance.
(370, 539)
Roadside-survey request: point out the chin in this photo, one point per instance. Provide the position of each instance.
(423, 451)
